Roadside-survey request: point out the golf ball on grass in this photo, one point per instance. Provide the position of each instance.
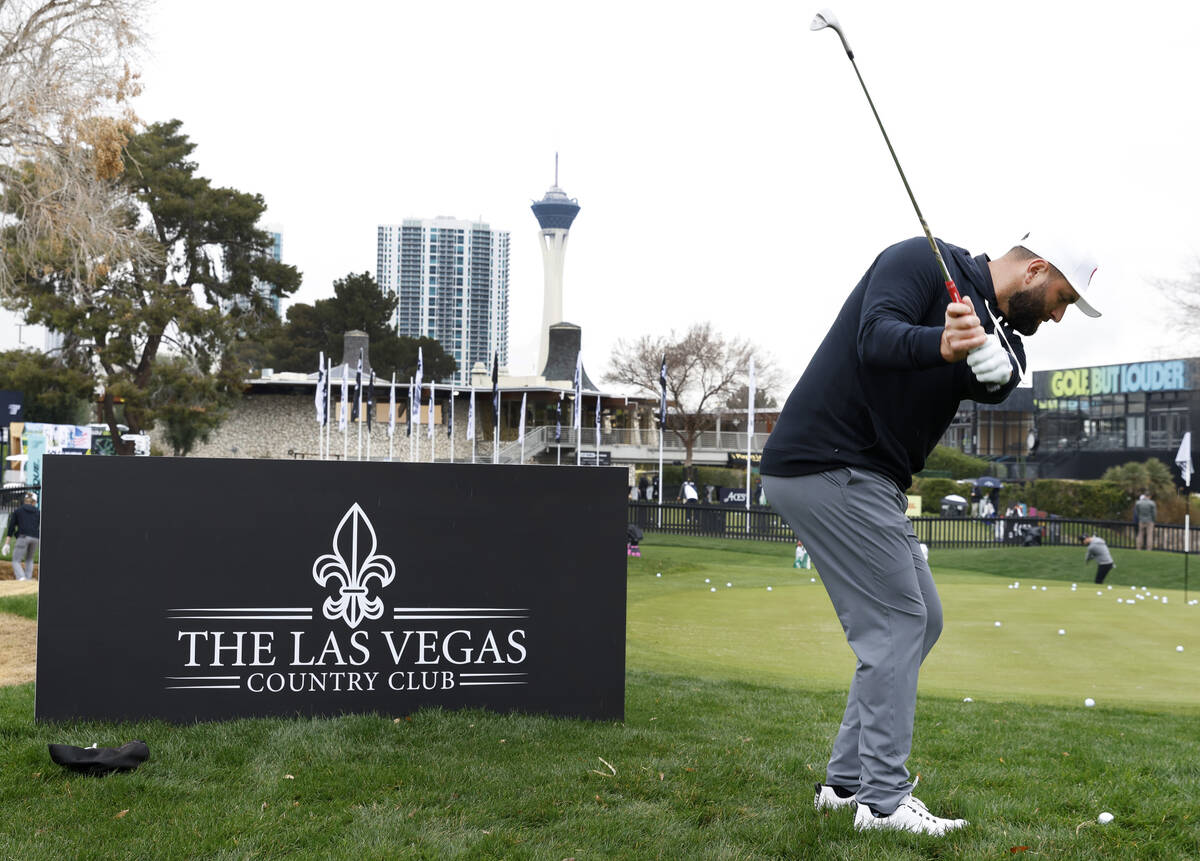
(1179, 648)
(728, 585)
(712, 589)
(707, 580)
(1089, 702)
(997, 624)
(1104, 818)
(659, 574)
(768, 588)
(1062, 632)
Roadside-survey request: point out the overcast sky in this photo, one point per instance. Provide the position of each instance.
(725, 159)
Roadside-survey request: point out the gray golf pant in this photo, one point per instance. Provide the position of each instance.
(853, 524)
(22, 559)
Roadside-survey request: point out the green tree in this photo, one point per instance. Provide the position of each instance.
(53, 392)
(197, 297)
(357, 303)
(191, 405)
(1150, 476)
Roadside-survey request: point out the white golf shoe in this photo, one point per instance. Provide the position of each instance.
(911, 815)
(827, 799)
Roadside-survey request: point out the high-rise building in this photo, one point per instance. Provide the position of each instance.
(451, 278)
(554, 212)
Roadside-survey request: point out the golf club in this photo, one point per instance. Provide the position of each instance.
(826, 18)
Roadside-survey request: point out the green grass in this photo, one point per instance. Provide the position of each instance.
(715, 760)
(19, 605)
(790, 636)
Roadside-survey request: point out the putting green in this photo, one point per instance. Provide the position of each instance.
(1116, 653)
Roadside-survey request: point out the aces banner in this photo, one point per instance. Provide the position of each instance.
(216, 589)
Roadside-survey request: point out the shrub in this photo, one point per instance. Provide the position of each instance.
(950, 460)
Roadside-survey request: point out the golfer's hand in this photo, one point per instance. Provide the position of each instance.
(990, 363)
(963, 332)
(4, 549)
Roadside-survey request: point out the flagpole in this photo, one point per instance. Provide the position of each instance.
(749, 438)
(524, 395)
(328, 405)
(496, 432)
(453, 393)
(392, 418)
(597, 430)
(320, 394)
(345, 418)
(429, 415)
(660, 474)
(1183, 460)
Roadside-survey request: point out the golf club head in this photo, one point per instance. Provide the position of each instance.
(826, 18)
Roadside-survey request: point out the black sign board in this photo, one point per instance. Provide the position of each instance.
(191, 589)
(587, 457)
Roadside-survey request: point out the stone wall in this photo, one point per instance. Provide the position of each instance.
(285, 426)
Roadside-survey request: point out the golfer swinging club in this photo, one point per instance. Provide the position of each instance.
(878, 394)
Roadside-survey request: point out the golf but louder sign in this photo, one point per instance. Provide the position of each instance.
(189, 589)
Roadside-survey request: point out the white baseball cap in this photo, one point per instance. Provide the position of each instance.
(1077, 264)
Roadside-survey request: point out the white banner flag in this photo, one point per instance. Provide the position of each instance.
(392, 409)
(430, 414)
(343, 414)
(1183, 459)
(319, 397)
(471, 416)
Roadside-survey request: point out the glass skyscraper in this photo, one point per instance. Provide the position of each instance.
(451, 278)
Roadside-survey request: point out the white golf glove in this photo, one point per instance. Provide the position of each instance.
(4, 549)
(990, 363)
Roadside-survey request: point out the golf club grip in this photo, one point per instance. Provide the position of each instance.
(953, 291)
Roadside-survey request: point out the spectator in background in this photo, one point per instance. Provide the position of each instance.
(26, 525)
(1097, 548)
(1145, 512)
(643, 487)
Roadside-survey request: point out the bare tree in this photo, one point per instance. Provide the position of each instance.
(65, 80)
(704, 370)
(1184, 296)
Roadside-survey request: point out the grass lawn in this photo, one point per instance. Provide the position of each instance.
(733, 698)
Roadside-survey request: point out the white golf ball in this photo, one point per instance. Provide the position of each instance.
(968, 700)
(1110, 588)
(768, 588)
(713, 589)
(1120, 600)
(812, 579)
(1062, 632)
(1089, 702)
(706, 580)
(1099, 593)
(1034, 588)
(997, 624)
(1073, 585)
(1043, 588)
(659, 574)
(1018, 584)
(1164, 599)
(1104, 818)
(1179, 648)
(728, 585)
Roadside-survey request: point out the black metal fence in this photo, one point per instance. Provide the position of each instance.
(763, 524)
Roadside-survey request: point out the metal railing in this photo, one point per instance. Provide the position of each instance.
(723, 521)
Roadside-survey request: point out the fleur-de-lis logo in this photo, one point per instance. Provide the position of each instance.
(352, 565)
